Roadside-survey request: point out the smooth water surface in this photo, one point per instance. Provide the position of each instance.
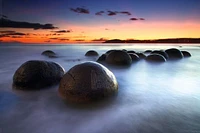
(152, 98)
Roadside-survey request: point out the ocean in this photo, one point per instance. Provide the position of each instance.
(152, 98)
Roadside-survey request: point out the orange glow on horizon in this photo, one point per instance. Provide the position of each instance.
(141, 30)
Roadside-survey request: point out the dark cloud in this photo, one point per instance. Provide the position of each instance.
(80, 10)
(106, 29)
(62, 31)
(141, 19)
(6, 23)
(125, 12)
(12, 34)
(112, 13)
(99, 40)
(134, 19)
(79, 40)
(99, 13)
(60, 39)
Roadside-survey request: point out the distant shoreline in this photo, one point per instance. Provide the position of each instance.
(170, 40)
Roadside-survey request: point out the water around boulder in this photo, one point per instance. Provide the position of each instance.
(36, 74)
(87, 82)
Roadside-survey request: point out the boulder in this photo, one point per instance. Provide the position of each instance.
(163, 53)
(134, 57)
(118, 57)
(141, 55)
(91, 53)
(36, 74)
(49, 53)
(155, 58)
(186, 54)
(174, 53)
(87, 82)
(102, 57)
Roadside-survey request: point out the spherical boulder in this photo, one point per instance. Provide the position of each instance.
(155, 58)
(147, 51)
(174, 53)
(109, 51)
(49, 53)
(102, 57)
(131, 51)
(118, 57)
(134, 57)
(186, 54)
(87, 82)
(141, 55)
(91, 53)
(163, 53)
(36, 74)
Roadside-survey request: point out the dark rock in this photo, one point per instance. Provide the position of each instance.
(86, 82)
(174, 53)
(134, 57)
(163, 53)
(186, 54)
(147, 51)
(141, 55)
(102, 57)
(91, 53)
(131, 51)
(109, 51)
(155, 58)
(118, 57)
(37, 74)
(49, 53)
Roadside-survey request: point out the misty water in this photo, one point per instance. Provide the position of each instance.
(152, 98)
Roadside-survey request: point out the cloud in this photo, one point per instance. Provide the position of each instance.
(141, 19)
(80, 10)
(60, 39)
(125, 12)
(79, 40)
(99, 13)
(112, 13)
(6, 23)
(100, 39)
(62, 31)
(12, 34)
(134, 19)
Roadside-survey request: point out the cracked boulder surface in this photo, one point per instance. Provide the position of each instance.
(37, 74)
(87, 82)
(118, 57)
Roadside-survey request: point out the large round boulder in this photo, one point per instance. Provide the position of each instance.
(174, 53)
(118, 57)
(49, 53)
(36, 74)
(155, 58)
(186, 54)
(86, 82)
(91, 53)
(141, 55)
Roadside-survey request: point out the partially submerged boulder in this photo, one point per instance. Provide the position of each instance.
(49, 53)
(155, 58)
(87, 82)
(163, 53)
(186, 54)
(118, 57)
(174, 53)
(36, 74)
(102, 57)
(91, 53)
(134, 57)
(141, 55)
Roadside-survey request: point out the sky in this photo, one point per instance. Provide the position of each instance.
(77, 21)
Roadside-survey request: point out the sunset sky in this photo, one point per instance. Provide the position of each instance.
(75, 21)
